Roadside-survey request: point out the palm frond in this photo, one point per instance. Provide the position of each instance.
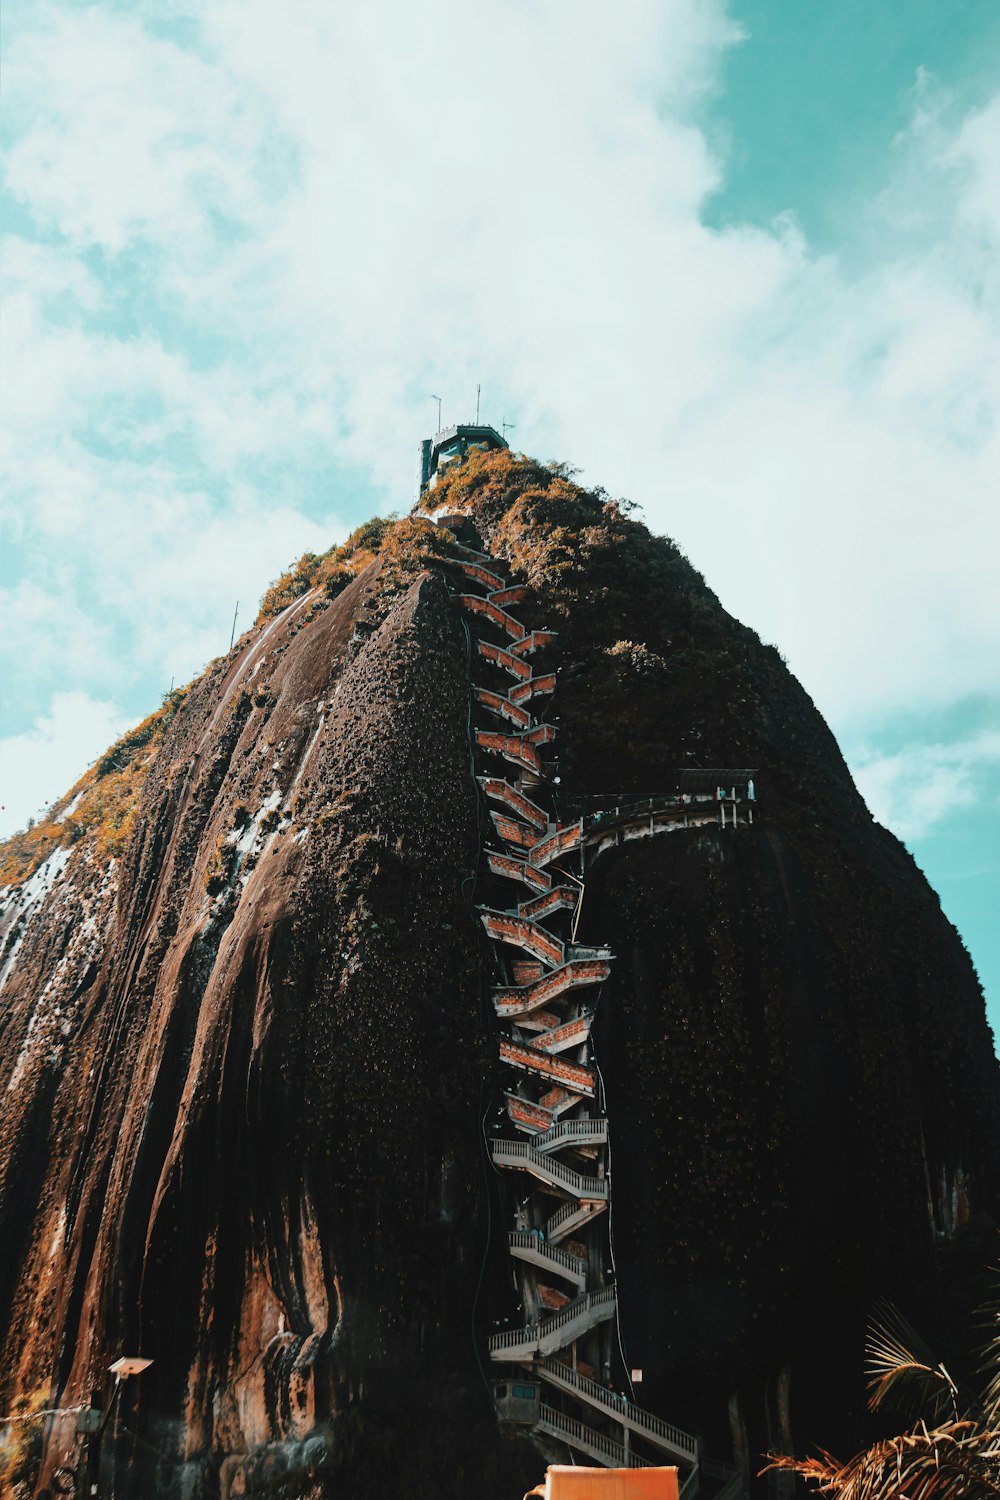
(824, 1471)
(903, 1370)
(957, 1461)
(990, 1366)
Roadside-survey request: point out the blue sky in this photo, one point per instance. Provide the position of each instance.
(737, 262)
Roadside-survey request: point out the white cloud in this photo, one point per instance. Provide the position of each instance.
(918, 787)
(36, 767)
(131, 136)
(279, 236)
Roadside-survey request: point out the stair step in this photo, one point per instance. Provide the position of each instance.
(571, 1076)
(512, 868)
(533, 687)
(534, 641)
(500, 790)
(499, 704)
(504, 927)
(512, 832)
(506, 660)
(513, 1001)
(569, 1034)
(681, 1445)
(496, 616)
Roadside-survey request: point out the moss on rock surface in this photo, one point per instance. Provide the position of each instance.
(244, 1058)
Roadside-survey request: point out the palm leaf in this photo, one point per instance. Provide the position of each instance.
(824, 1471)
(957, 1461)
(903, 1370)
(991, 1353)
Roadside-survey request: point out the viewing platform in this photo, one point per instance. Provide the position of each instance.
(668, 814)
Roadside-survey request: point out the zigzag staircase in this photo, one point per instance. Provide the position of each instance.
(555, 1137)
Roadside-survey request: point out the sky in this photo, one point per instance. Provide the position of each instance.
(737, 262)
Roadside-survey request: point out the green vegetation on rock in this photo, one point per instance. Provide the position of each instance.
(102, 806)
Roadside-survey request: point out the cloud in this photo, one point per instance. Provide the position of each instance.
(131, 136)
(914, 789)
(36, 767)
(267, 240)
(144, 492)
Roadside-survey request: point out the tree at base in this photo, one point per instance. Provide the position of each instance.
(952, 1450)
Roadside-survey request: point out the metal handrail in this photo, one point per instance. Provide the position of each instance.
(716, 1468)
(589, 1437)
(524, 1239)
(531, 1333)
(579, 1184)
(552, 1223)
(690, 1486)
(614, 1405)
(588, 1125)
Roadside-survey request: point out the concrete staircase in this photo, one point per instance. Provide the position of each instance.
(553, 1140)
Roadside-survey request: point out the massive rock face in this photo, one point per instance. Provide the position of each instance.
(245, 1064)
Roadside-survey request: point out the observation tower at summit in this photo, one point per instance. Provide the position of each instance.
(451, 445)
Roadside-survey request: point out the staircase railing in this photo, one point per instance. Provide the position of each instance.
(595, 1130)
(731, 1476)
(522, 1153)
(524, 1239)
(579, 1435)
(591, 1308)
(678, 1441)
(556, 1220)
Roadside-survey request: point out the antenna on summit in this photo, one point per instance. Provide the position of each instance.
(503, 428)
(478, 389)
(438, 400)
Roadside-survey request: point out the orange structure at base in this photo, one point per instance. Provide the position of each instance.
(565, 1483)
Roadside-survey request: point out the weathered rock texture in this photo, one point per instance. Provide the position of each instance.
(244, 1066)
